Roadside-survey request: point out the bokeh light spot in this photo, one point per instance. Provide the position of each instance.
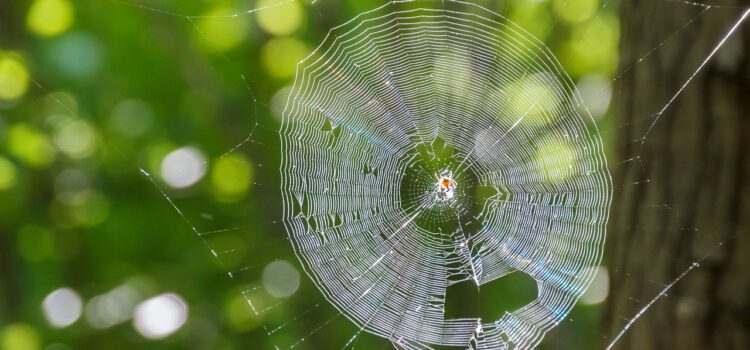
(230, 177)
(533, 101)
(596, 92)
(219, 31)
(281, 55)
(599, 288)
(92, 211)
(30, 145)
(76, 138)
(280, 18)
(160, 316)
(77, 55)
(575, 11)
(534, 17)
(113, 307)
(183, 167)
(20, 336)
(240, 315)
(555, 159)
(8, 174)
(281, 279)
(14, 78)
(62, 307)
(278, 101)
(50, 17)
(592, 47)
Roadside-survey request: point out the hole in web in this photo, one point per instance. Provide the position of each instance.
(492, 300)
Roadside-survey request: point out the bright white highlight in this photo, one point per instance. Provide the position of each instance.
(183, 167)
(160, 316)
(280, 279)
(62, 307)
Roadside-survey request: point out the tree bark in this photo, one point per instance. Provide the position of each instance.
(683, 196)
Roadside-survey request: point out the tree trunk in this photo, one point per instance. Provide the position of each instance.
(687, 188)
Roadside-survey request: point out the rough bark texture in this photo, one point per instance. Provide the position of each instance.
(690, 188)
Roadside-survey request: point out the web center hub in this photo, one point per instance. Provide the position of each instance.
(445, 186)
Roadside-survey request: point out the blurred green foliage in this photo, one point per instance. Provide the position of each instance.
(92, 91)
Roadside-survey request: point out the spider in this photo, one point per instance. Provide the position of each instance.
(445, 186)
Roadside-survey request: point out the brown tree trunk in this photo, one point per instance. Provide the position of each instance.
(688, 187)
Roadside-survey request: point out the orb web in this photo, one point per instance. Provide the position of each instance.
(436, 144)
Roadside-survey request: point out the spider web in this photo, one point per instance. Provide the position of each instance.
(397, 98)
(389, 104)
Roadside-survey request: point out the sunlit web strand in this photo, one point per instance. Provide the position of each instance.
(682, 88)
(250, 11)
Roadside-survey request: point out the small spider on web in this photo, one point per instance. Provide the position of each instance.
(445, 186)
